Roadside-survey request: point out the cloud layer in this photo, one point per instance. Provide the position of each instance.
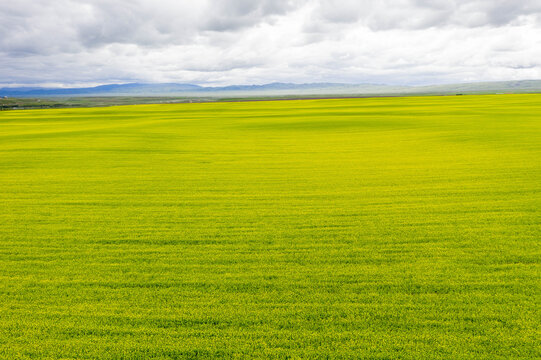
(221, 42)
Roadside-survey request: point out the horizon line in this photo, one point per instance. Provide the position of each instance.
(93, 85)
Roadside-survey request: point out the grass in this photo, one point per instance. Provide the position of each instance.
(89, 101)
(385, 228)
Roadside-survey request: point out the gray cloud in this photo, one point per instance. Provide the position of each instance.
(247, 41)
(421, 14)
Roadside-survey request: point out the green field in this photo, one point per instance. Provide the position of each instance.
(384, 228)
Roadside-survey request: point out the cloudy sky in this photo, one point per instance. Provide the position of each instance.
(222, 42)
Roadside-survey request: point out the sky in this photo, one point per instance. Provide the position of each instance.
(225, 42)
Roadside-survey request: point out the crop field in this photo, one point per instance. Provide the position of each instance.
(383, 228)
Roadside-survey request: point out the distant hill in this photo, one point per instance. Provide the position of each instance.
(494, 86)
(172, 89)
(103, 90)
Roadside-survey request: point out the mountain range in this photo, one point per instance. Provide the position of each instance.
(174, 89)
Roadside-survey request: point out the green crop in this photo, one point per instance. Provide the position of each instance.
(385, 228)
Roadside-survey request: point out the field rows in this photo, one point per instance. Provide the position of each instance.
(362, 228)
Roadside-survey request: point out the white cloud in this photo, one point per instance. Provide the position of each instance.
(251, 41)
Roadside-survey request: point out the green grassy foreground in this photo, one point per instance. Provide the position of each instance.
(369, 228)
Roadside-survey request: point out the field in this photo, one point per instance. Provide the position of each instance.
(384, 228)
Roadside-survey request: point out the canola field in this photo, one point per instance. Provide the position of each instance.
(383, 228)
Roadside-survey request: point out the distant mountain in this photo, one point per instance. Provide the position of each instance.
(137, 89)
(494, 86)
(287, 86)
(102, 90)
(172, 89)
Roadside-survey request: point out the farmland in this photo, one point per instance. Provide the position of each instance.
(354, 228)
